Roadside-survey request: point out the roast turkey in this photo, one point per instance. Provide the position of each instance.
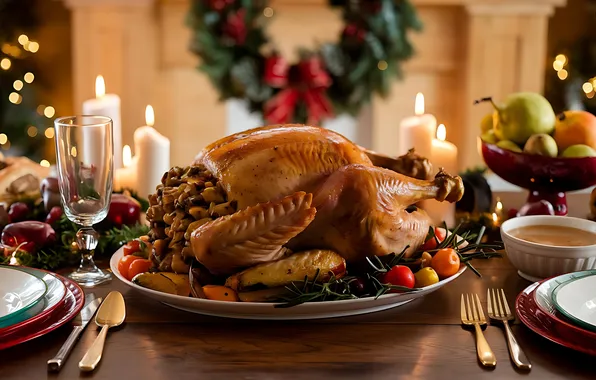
(300, 187)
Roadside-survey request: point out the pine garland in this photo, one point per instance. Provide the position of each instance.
(63, 253)
(237, 56)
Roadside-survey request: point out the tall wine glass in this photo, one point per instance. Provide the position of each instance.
(84, 156)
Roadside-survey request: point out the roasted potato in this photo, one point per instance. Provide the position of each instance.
(164, 282)
(290, 269)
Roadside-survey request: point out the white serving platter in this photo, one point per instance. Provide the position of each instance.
(267, 311)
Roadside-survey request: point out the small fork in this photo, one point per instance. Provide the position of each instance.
(475, 316)
(498, 309)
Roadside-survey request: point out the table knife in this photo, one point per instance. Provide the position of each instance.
(79, 324)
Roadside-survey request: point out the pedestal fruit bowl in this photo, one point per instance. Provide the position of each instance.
(546, 178)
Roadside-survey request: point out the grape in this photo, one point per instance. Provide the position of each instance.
(54, 215)
(18, 212)
(358, 286)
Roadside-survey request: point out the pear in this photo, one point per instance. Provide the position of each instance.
(578, 150)
(489, 137)
(487, 123)
(522, 115)
(541, 144)
(509, 145)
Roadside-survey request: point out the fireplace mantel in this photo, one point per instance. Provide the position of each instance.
(468, 49)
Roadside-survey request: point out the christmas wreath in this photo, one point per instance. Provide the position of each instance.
(229, 37)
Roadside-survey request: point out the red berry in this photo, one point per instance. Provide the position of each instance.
(18, 212)
(54, 215)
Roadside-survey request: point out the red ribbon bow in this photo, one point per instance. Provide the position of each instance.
(307, 81)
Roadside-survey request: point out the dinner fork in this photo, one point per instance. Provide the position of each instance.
(498, 309)
(473, 315)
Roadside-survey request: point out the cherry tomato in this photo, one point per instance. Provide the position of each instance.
(138, 266)
(132, 247)
(400, 275)
(445, 262)
(425, 277)
(431, 243)
(124, 265)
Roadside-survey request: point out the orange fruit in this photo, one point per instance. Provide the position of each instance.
(575, 127)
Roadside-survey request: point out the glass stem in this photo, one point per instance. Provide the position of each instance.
(87, 239)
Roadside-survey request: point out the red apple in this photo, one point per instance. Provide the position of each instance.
(124, 210)
(541, 207)
(31, 234)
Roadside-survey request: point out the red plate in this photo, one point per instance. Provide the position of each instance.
(42, 316)
(550, 328)
(558, 319)
(72, 305)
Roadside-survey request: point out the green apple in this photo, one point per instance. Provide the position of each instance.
(578, 150)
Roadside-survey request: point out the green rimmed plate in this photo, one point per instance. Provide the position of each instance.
(576, 300)
(19, 292)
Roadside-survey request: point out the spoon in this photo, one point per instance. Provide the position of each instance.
(111, 313)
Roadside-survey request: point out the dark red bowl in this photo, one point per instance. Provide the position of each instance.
(545, 174)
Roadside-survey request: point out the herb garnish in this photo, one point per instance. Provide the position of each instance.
(467, 246)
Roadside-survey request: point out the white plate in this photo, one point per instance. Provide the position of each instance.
(19, 291)
(56, 292)
(261, 310)
(576, 299)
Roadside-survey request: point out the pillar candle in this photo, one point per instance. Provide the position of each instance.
(444, 155)
(104, 105)
(417, 131)
(152, 154)
(126, 176)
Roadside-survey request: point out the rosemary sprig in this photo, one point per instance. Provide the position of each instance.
(340, 289)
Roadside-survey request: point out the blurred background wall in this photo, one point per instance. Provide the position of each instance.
(140, 47)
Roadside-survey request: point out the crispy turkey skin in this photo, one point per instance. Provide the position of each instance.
(307, 187)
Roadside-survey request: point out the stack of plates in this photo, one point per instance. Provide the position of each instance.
(34, 302)
(562, 309)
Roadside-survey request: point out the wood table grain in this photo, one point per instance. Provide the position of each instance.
(423, 339)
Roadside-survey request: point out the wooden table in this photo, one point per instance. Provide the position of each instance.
(423, 339)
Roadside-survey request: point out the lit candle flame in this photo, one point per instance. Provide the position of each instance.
(149, 116)
(499, 206)
(419, 104)
(100, 87)
(495, 217)
(126, 156)
(441, 132)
